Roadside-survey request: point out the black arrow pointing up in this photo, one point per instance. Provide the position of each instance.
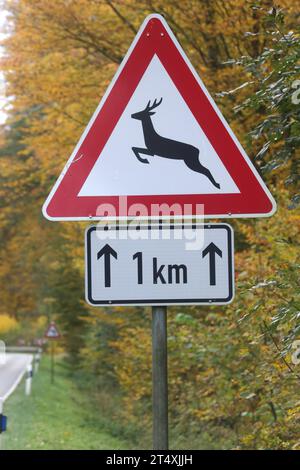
(212, 250)
(107, 251)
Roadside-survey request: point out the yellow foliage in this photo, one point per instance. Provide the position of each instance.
(225, 367)
(7, 324)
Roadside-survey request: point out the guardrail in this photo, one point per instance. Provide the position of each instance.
(35, 350)
(23, 349)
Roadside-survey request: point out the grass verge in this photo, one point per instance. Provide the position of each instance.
(55, 416)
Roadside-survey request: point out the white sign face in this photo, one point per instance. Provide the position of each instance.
(159, 265)
(118, 172)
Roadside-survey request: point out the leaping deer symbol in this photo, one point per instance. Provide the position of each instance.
(167, 148)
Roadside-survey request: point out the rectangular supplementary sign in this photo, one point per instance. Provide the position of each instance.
(159, 265)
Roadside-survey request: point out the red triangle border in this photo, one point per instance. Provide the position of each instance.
(155, 37)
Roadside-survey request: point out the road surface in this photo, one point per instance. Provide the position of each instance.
(12, 372)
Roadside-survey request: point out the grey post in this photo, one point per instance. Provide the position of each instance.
(160, 378)
(52, 361)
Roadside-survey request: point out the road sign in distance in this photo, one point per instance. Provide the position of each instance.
(52, 331)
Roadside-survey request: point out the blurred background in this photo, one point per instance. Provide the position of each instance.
(232, 379)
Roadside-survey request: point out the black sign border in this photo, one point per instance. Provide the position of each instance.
(208, 301)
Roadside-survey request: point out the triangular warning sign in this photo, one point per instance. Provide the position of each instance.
(157, 140)
(52, 331)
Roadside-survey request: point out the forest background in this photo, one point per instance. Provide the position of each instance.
(232, 381)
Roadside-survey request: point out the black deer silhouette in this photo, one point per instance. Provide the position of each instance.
(167, 148)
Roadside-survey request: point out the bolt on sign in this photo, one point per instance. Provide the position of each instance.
(157, 141)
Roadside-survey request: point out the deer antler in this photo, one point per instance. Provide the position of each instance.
(154, 105)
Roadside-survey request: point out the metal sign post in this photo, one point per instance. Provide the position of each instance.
(164, 266)
(52, 362)
(52, 334)
(160, 378)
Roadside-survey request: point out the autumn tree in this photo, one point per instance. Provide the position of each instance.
(232, 383)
